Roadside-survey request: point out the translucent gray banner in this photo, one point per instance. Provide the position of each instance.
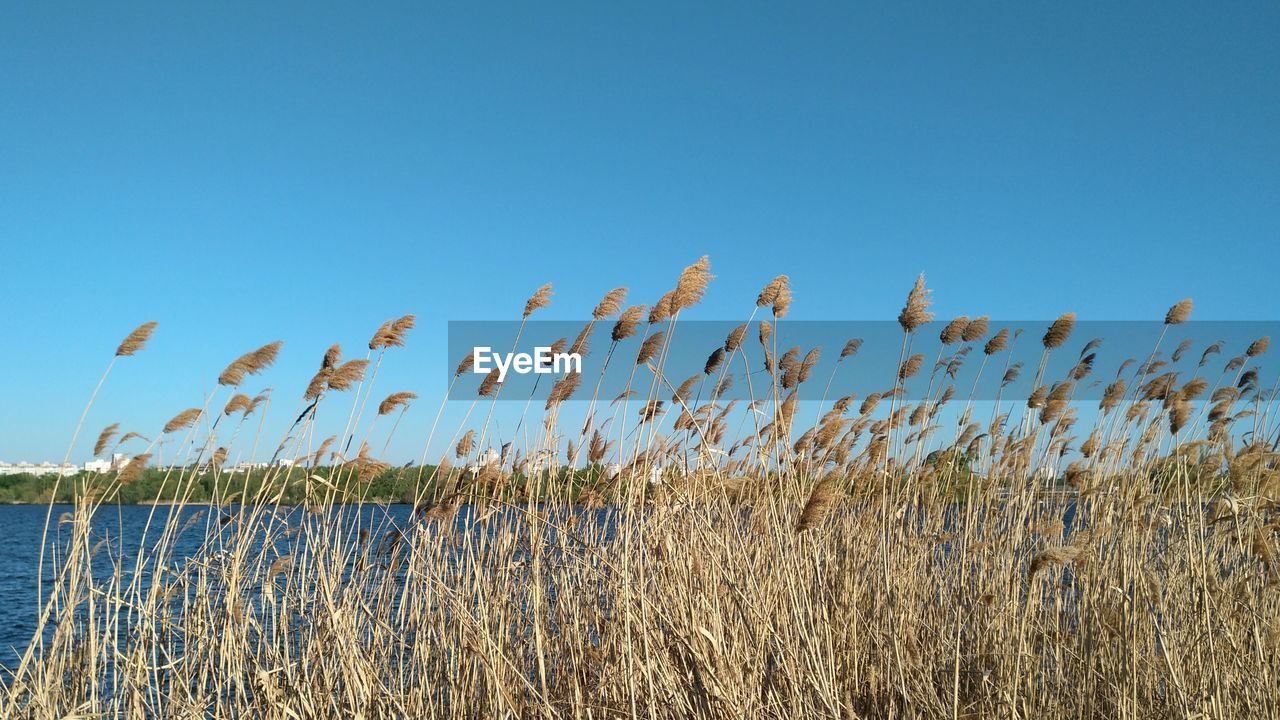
(981, 360)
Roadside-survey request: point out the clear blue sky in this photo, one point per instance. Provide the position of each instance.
(244, 172)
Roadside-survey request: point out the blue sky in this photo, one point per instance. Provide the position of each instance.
(244, 172)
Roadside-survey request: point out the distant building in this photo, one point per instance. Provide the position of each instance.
(655, 475)
(44, 468)
(490, 457)
(244, 467)
(98, 466)
(102, 465)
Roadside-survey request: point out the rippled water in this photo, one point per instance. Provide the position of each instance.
(21, 527)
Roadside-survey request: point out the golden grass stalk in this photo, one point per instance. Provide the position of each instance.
(821, 499)
(396, 400)
(916, 310)
(692, 285)
(104, 438)
(251, 363)
(184, 419)
(133, 469)
(540, 299)
(1179, 313)
(1059, 331)
(136, 340)
(610, 304)
(628, 323)
(345, 376)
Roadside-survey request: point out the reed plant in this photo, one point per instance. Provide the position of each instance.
(679, 555)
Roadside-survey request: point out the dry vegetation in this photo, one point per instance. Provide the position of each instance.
(799, 571)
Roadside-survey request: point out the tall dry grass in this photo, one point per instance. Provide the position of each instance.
(822, 570)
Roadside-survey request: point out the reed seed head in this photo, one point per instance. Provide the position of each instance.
(1179, 313)
(692, 285)
(610, 304)
(396, 400)
(184, 419)
(1059, 331)
(136, 340)
(916, 311)
(540, 299)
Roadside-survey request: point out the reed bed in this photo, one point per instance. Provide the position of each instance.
(853, 567)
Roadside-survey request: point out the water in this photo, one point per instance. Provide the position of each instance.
(123, 527)
(22, 525)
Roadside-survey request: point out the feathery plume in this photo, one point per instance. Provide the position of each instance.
(683, 391)
(380, 335)
(332, 357)
(628, 322)
(998, 342)
(1210, 351)
(400, 328)
(692, 285)
(598, 448)
(317, 385)
(392, 332)
(395, 400)
(976, 329)
(770, 291)
(104, 437)
(869, 404)
(184, 419)
(251, 363)
(735, 337)
(540, 299)
(954, 330)
(466, 364)
(218, 457)
(714, 361)
(650, 410)
(1259, 346)
(238, 403)
(809, 362)
(850, 348)
(563, 389)
(137, 339)
(916, 312)
(133, 469)
(649, 348)
(581, 343)
(778, 294)
(910, 366)
(464, 445)
(489, 384)
(1179, 313)
(610, 304)
(821, 499)
(661, 310)
(346, 375)
(1059, 331)
(1055, 556)
(1181, 350)
(766, 332)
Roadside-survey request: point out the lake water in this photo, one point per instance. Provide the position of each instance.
(21, 527)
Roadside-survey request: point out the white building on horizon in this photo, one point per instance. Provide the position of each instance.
(44, 468)
(103, 465)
